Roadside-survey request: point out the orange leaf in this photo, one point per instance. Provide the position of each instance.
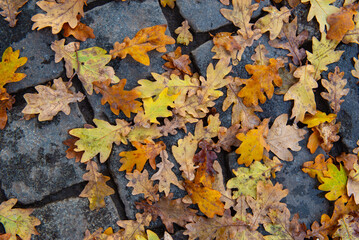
(317, 167)
(261, 82)
(118, 98)
(341, 22)
(146, 39)
(80, 32)
(314, 140)
(177, 63)
(148, 151)
(6, 102)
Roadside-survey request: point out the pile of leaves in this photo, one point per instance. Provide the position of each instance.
(209, 208)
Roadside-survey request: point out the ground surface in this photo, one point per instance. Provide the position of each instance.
(33, 165)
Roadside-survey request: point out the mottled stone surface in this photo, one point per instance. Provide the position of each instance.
(32, 156)
(125, 19)
(70, 218)
(205, 15)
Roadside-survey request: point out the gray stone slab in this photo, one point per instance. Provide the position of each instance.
(70, 218)
(301, 12)
(40, 66)
(205, 15)
(125, 19)
(32, 156)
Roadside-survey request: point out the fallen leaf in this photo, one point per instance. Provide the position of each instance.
(118, 98)
(355, 72)
(70, 152)
(99, 140)
(318, 118)
(142, 185)
(134, 228)
(328, 133)
(348, 228)
(58, 13)
(341, 22)
(177, 64)
(10, 10)
(184, 35)
(219, 185)
(96, 189)
(226, 46)
(334, 181)
(353, 183)
(80, 32)
(49, 101)
(17, 221)
(89, 64)
(170, 3)
(317, 167)
(314, 140)
(6, 102)
(145, 40)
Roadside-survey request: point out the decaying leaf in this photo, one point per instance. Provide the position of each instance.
(118, 98)
(177, 64)
(89, 64)
(145, 40)
(328, 133)
(49, 101)
(58, 13)
(353, 183)
(148, 151)
(281, 137)
(99, 140)
(184, 35)
(348, 228)
(18, 221)
(96, 189)
(142, 185)
(10, 10)
(253, 144)
(9, 64)
(166, 176)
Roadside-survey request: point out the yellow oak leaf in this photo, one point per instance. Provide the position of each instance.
(58, 13)
(323, 54)
(253, 144)
(302, 93)
(9, 64)
(18, 221)
(165, 175)
(51, 100)
(96, 189)
(89, 64)
(318, 118)
(184, 35)
(145, 40)
(142, 185)
(273, 22)
(10, 10)
(133, 228)
(148, 151)
(99, 140)
(321, 9)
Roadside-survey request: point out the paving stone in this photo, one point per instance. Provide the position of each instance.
(205, 15)
(32, 157)
(40, 66)
(125, 19)
(301, 12)
(303, 197)
(70, 218)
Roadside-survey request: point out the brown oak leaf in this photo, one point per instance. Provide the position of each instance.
(142, 185)
(6, 102)
(177, 64)
(10, 10)
(80, 32)
(341, 22)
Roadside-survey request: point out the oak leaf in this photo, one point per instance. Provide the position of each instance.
(335, 87)
(184, 154)
(287, 78)
(318, 118)
(118, 98)
(184, 35)
(177, 64)
(323, 54)
(263, 80)
(6, 102)
(317, 167)
(148, 151)
(353, 183)
(99, 140)
(145, 40)
(321, 9)
(10, 10)
(169, 210)
(18, 221)
(289, 40)
(218, 185)
(273, 22)
(140, 133)
(134, 228)
(210, 131)
(328, 134)
(58, 13)
(142, 185)
(314, 140)
(240, 113)
(355, 72)
(89, 64)
(352, 36)
(108, 234)
(341, 22)
(70, 152)
(49, 101)
(227, 137)
(9, 64)
(302, 93)
(281, 137)
(348, 228)
(166, 176)
(226, 46)
(349, 160)
(80, 32)
(96, 189)
(253, 144)
(334, 181)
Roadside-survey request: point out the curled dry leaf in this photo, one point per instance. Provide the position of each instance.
(10, 10)
(49, 101)
(177, 64)
(58, 13)
(145, 40)
(184, 35)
